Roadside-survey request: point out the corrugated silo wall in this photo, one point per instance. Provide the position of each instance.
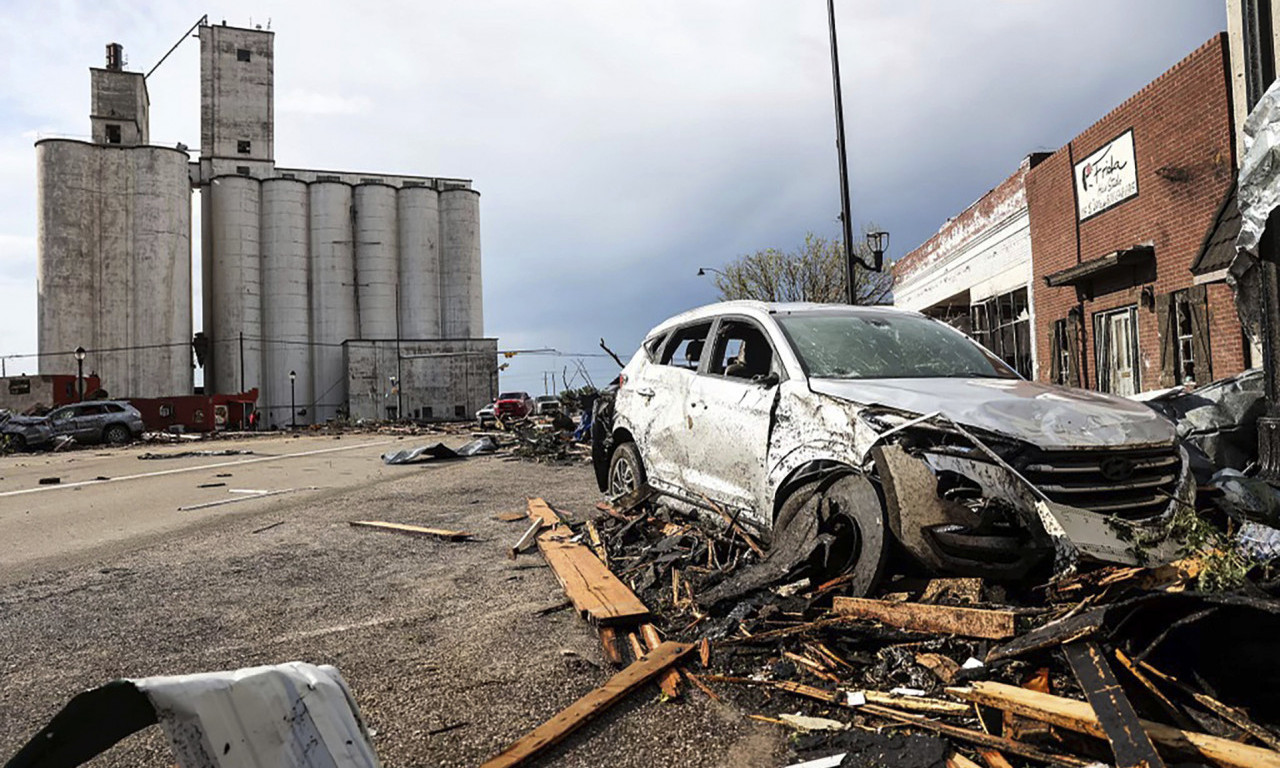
(376, 259)
(461, 295)
(114, 265)
(286, 313)
(419, 230)
(334, 317)
(233, 293)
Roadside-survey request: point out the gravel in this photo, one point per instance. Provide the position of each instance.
(432, 636)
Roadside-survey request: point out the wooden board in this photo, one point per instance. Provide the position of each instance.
(966, 622)
(1129, 743)
(587, 707)
(596, 593)
(669, 681)
(1079, 716)
(416, 530)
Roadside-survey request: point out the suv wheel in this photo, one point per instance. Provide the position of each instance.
(117, 434)
(10, 441)
(841, 521)
(626, 470)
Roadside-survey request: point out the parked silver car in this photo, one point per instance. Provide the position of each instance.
(848, 428)
(98, 421)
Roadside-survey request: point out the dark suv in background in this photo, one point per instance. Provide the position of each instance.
(99, 421)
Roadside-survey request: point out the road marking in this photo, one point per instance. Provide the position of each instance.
(180, 470)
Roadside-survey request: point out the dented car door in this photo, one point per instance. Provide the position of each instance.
(728, 412)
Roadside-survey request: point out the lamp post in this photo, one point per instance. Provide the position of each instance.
(702, 271)
(293, 408)
(878, 243)
(80, 353)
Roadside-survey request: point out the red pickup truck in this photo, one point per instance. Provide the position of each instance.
(513, 405)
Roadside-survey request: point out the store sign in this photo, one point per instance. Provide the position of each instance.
(1106, 178)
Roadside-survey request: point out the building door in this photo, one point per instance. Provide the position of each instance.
(1117, 351)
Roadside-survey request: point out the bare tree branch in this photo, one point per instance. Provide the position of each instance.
(812, 272)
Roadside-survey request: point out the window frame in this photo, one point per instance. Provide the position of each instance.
(676, 335)
(775, 364)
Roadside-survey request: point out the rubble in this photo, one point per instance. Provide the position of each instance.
(1087, 667)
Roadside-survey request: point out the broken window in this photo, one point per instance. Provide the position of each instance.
(1183, 326)
(460, 411)
(1002, 324)
(1064, 346)
(243, 146)
(243, 170)
(113, 133)
(871, 345)
(652, 346)
(243, 54)
(1115, 335)
(684, 350)
(741, 350)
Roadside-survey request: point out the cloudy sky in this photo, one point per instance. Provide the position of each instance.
(618, 146)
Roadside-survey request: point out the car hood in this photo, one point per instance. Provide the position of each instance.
(25, 420)
(1044, 415)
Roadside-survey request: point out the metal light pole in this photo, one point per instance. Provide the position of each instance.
(846, 219)
(878, 243)
(80, 353)
(293, 408)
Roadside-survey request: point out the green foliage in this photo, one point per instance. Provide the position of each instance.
(1223, 567)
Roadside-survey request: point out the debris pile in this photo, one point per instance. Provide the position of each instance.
(1121, 665)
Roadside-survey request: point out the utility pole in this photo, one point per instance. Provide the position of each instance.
(846, 219)
(1260, 73)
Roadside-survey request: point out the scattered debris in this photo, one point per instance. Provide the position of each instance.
(413, 530)
(245, 495)
(211, 485)
(638, 673)
(968, 622)
(50, 480)
(267, 527)
(189, 454)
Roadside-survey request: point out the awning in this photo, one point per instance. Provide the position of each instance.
(1088, 270)
(1219, 246)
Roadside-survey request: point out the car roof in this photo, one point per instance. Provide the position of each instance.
(761, 309)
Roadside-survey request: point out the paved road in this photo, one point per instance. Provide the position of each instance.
(108, 497)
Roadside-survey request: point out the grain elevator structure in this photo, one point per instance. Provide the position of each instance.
(336, 293)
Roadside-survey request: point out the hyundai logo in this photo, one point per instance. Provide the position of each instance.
(1117, 468)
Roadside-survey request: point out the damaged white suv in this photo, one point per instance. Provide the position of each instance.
(836, 431)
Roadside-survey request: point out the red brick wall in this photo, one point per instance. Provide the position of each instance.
(1182, 138)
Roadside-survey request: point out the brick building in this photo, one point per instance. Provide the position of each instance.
(1118, 218)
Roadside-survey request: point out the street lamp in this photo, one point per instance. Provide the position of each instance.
(702, 271)
(878, 243)
(80, 353)
(293, 408)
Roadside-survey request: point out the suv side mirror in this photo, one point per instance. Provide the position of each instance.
(766, 379)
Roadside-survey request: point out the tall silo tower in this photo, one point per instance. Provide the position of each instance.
(114, 240)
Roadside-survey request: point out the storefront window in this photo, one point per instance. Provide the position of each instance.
(1002, 324)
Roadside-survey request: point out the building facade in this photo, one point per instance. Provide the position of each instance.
(1118, 218)
(976, 274)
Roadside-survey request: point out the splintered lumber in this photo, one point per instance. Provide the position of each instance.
(1230, 714)
(587, 707)
(596, 593)
(1165, 703)
(1129, 743)
(1079, 716)
(669, 681)
(977, 737)
(957, 760)
(525, 539)
(414, 530)
(609, 644)
(966, 622)
(1053, 634)
(733, 526)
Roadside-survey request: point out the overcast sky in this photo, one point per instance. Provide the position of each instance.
(618, 145)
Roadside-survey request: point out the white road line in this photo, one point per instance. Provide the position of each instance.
(180, 470)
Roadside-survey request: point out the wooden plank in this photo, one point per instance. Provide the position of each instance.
(596, 593)
(1230, 714)
(957, 760)
(415, 530)
(1079, 716)
(587, 707)
(1129, 743)
(609, 642)
(1171, 709)
(668, 681)
(977, 737)
(1053, 634)
(966, 622)
(993, 758)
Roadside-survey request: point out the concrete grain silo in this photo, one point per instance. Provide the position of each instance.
(233, 289)
(419, 228)
(462, 314)
(286, 300)
(377, 256)
(334, 316)
(114, 262)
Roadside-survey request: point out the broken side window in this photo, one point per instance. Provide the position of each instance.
(741, 350)
(684, 349)
(653, 345)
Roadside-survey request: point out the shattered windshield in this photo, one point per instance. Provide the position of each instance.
(854, 346)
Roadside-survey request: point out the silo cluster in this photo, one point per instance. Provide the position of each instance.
(293, 269)
(114, 265)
